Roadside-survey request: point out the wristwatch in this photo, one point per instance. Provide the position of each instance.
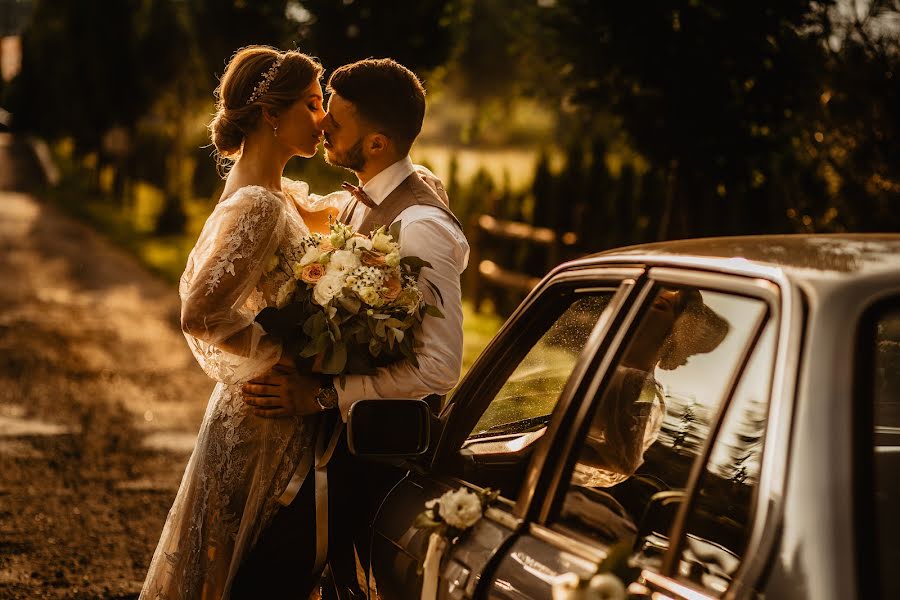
(327, 396)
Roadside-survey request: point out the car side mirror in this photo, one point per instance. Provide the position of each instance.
(389, 428)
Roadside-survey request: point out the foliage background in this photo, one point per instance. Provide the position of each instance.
(618, 122)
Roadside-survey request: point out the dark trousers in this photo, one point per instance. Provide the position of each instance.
(355, 490)
(280, 565)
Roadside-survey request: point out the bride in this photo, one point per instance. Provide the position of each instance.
(269, 110)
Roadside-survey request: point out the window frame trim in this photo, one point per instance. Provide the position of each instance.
(869, 575)
(770, 292)
(505, 347)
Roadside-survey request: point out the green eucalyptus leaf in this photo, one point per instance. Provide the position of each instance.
(334, 359)
(414, 263)
(309, 350)
(394, 230)
(434, 290)
(350, 304)
(424, 521)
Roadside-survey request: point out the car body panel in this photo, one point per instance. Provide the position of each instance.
(802, 539)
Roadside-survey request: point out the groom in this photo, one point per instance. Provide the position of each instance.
(375, 113)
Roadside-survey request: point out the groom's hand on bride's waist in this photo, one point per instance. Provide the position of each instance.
(282, 392)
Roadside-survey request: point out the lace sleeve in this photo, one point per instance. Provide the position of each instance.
(222, 271)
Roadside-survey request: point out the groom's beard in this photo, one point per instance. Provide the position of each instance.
(352, 159)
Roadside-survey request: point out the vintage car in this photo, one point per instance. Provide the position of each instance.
(700, 419)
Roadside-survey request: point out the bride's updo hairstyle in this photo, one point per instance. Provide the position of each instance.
(257, 77)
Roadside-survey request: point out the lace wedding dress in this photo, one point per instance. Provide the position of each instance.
(241, 463)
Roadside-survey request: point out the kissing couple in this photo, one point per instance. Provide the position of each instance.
(271, 494)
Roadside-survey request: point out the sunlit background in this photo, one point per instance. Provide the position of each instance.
(576, 126)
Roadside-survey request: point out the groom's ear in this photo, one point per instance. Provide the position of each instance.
(378, 143)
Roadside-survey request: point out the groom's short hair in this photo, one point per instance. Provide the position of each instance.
(386, 94)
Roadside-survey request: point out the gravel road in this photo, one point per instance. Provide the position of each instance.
(100, 401)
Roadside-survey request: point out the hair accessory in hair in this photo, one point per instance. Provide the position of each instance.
(263, 86)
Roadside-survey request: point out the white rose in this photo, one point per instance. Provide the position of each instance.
(284, 293)
(357, 243)
(607, 586)
(327, 288)
(344, 260)
(382, 242)
(370, 296)
(392, 259)
(338, 237)
(312, 255)
(460, 508)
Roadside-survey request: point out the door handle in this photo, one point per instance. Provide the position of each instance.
(456, 575)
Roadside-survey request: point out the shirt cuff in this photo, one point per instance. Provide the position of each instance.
(354, 389)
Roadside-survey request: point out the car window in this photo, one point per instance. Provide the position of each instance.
(887, 448)
(529, 394)
(720, 519)
(654, 415)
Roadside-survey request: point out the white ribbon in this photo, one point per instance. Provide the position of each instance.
(437, 545)
(322, 456)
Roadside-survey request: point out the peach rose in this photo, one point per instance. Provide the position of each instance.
(312, 273)
(372, 259)
(392, 289)
(326, 246)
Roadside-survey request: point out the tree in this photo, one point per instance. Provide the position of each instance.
(709, 91)
(412, 32)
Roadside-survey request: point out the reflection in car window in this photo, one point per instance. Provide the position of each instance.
(887, 449)
(530, 393)
(654, 415)
(719, 523)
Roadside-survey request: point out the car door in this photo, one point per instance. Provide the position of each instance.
(493, 424)
(665, 445)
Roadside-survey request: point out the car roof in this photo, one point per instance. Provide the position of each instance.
(808, 257)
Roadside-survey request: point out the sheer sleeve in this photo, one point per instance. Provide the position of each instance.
(299, 192)
(218, 288)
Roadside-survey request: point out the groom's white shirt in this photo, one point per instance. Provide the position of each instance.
(430, 234)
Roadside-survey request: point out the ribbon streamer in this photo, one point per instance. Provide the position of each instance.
(322, 456)
(431, 566)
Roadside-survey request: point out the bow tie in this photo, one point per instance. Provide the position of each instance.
(358, 193)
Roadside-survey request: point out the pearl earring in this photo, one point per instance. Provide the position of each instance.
(275, 130)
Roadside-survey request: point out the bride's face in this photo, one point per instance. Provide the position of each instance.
(300, 126)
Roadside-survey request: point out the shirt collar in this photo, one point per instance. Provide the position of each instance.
(379, 187)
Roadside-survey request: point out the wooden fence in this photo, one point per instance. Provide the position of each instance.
(508, 258)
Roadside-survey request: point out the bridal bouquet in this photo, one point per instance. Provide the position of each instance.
(353, 304)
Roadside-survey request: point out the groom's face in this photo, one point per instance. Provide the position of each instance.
(344, 135)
